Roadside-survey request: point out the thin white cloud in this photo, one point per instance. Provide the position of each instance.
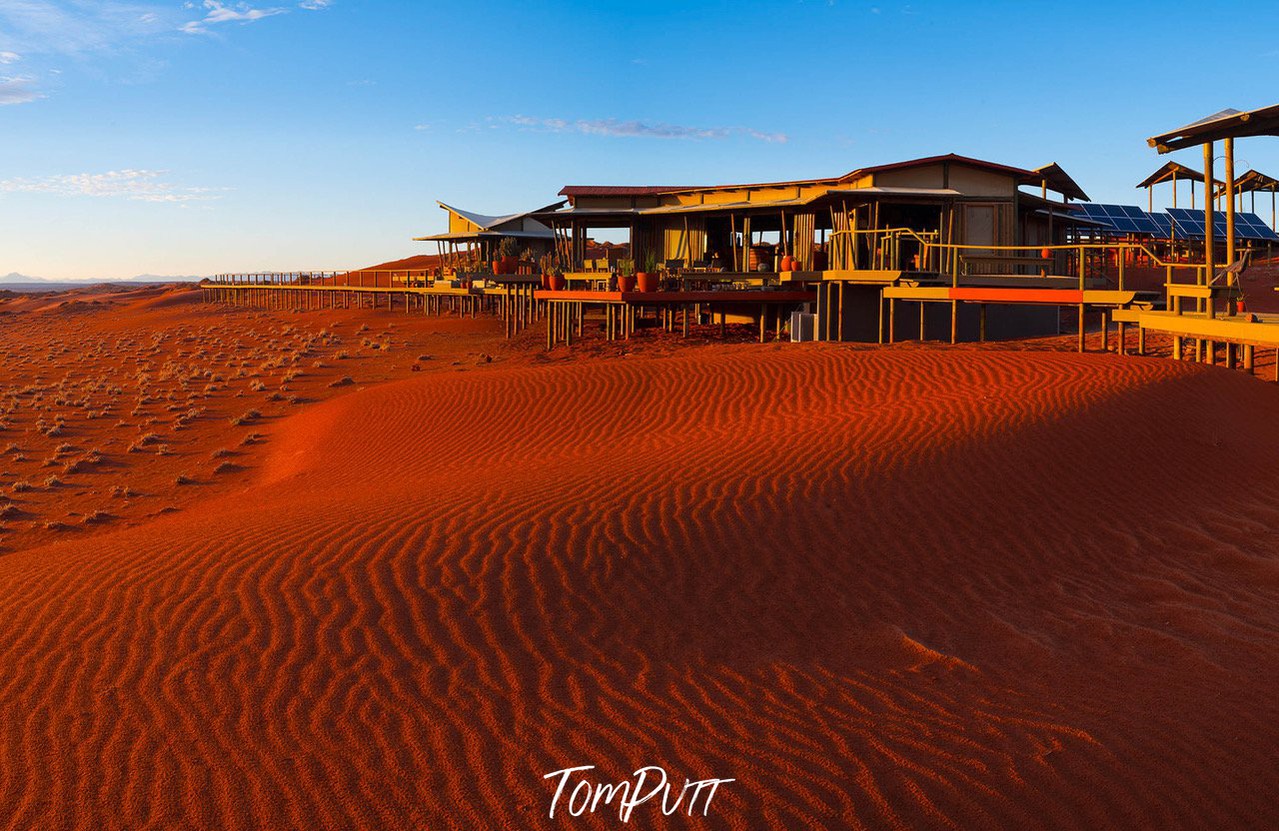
(9, 57)
(315, 5)
(639, 129)
(18, 90)
(74, 27)
(136, 185)
(217, 13)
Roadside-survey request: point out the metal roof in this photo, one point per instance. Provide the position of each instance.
(1022, 175)
(489, 223)
(1060, 181)
(1228, 123)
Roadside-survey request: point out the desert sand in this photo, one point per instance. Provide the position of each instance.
(906, 587)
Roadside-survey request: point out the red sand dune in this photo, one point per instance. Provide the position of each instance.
(899, 588)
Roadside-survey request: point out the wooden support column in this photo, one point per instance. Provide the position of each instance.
(840, 327)
(981, 336)
(1230, 217)
(1082, 331)
(954, 321)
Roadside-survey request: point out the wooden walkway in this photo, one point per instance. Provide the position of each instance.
(567, 310)
(519, 302)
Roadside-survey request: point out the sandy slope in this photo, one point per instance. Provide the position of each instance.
(899, 588)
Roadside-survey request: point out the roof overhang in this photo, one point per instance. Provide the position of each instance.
(475, 235)
(1173, 170)
(1223, 125)
(1066, 216)
(1253, 181)
(1059, 180)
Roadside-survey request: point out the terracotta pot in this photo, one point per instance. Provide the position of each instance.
(626, 282)
(1240, 306)
(557, 282)
(788, 263)
(546, 281)
(646, 281)
(510, 265)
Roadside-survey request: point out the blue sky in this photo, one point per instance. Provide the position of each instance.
(197, 137)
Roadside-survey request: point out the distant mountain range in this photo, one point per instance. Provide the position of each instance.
(15, 277)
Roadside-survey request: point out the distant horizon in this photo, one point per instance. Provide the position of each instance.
(144, 137)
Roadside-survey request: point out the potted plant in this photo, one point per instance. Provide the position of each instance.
(506, 261)
(626, 275)
(556, 282)
(546, 264)
(646, 280)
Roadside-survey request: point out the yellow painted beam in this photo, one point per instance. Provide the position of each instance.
(1239, 329)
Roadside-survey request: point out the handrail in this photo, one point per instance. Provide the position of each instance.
(955, 246)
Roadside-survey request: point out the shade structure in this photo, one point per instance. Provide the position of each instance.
(1173, 171)
(1229, 123)
(1059, 180)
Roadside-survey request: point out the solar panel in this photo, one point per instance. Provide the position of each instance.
(1252, 227)
(1189, 223)
(1248, 226)
(1179, 223)
(1162, 224)
(1121, 219)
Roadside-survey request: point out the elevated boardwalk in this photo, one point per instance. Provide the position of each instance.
(567, 309)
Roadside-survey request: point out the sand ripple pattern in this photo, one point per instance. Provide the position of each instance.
(880, 589)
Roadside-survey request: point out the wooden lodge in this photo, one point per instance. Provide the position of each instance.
(935, 220)
(943, 247)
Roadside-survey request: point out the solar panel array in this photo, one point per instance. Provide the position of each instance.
(1248, 226)
(1123, 219)
(1183, 223)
